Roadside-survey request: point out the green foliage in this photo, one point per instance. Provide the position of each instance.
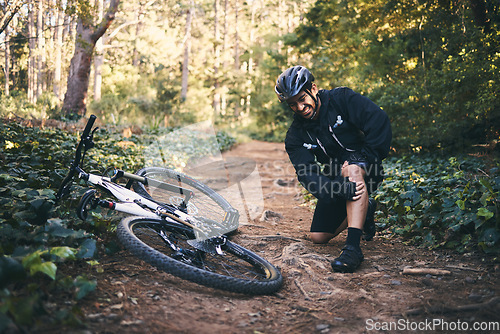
(36, 237)
(269, 118)
(224, 140)
(17, 105)
(177, 147)
(150, 99)
(439, 202)
(32, 244)
(432, 66)
(126, 98)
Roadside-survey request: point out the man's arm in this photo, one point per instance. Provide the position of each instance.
(309, 172)
(374, 123)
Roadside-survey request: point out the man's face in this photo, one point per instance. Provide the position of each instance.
(303, 104)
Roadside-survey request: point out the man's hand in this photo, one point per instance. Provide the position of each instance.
(347, 171)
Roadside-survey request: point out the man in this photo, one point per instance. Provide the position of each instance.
(349, 136)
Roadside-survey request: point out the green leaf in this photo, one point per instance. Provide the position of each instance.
(486, 184)
(19, 193)
(32, 259)
(483, 212)
(48, 268)
(83, 286)
(24, 309)
(57, 230)
(37, 203)
(5, 322)
(413, 195)
(49, 193)
(63, 252)
(87, 249)
(8, 177)
(489, 238)
(461, 204)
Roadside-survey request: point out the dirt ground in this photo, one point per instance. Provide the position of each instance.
(133, 297)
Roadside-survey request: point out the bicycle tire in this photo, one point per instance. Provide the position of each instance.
(238, 270)
(205, 203)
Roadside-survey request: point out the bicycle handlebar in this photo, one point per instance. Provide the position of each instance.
(85, 141)
(88, 127)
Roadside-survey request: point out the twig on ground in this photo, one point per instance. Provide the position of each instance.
(464, 268)
(425, 271)
(306, 295)
(444, 309)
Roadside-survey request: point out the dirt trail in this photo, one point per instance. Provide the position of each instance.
(133, 297)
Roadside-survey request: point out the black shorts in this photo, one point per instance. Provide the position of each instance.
(329, 214)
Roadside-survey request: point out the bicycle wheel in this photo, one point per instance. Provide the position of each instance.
(170, 246)
(206, 202)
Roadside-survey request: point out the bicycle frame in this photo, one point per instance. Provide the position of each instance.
(129, 201)
(133, 203)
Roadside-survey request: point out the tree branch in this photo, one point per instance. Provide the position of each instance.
(9, 12)
(106, 21)
(120, 27)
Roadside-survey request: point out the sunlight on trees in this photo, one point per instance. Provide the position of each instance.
(432, 66)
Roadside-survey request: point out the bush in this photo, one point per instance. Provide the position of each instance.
(442, 202)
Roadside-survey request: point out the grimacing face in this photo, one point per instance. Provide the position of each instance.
(303, 104)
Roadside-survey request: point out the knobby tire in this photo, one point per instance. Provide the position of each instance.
(238, 270)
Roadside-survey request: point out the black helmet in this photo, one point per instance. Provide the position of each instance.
(292, 81)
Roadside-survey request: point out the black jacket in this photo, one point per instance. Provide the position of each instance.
(348, 122)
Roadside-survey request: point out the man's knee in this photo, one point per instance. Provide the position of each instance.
(354, 172)
(321, 237)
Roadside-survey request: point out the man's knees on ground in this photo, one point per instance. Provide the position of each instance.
(321, 237)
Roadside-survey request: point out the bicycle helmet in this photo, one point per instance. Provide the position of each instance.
(292, 81)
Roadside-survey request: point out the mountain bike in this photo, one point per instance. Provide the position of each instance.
(176, 224)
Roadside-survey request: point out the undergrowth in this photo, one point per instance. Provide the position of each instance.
(37, 236)
(437, 201)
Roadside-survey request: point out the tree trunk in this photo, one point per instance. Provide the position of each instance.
(236, 56)
(187, 48)
(250, 60)
(40, 41)
(7, 62)
(78, 81)
(236, 38)
(139, 14)
(31, 57)
(480, 14)
(223, 98)
(58, 54)
(99, 55)
(216, 97)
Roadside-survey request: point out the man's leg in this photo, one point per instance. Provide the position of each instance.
(351, 256)
(324, 237)
(328, 221)
(356, 210)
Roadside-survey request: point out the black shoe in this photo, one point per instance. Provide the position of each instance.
(349, 260)
(369, 228)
